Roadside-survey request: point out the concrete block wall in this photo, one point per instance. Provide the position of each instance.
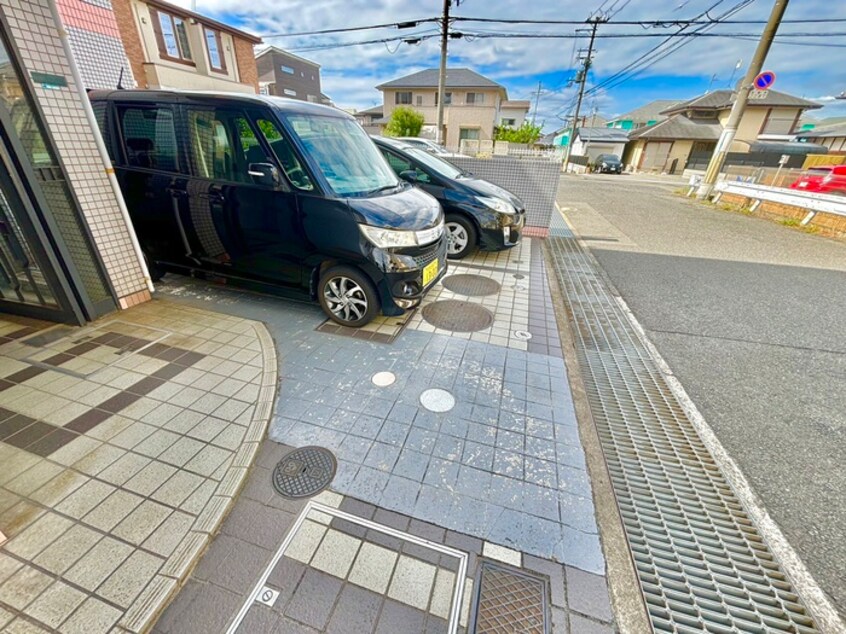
(35, 34)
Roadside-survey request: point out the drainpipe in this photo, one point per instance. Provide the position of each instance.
(101, 145)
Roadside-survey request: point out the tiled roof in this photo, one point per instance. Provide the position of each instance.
(679, 127)
(721, 99)
(648, 112)
(455, 78)
(614, 135)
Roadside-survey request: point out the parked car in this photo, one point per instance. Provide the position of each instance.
(608, 164)
(478, 213)
(429, 146)
(825, 179)
(272, 192)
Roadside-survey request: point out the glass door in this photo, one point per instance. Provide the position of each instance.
(48, 265)
(22, 277)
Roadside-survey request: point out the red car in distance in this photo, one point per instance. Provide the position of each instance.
(825, 179)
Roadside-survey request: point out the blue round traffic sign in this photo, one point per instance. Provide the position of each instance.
(764, 80)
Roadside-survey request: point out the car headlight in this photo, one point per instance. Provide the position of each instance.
(497, 204)
(605, 165)
(392, 238)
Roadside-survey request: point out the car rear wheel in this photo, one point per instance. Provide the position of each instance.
(348, 296)
(461, 236)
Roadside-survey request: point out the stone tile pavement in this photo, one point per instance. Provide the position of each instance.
(505, 464)
(278, 568)
(122, 446)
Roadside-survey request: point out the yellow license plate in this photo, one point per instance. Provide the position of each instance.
(430, 272)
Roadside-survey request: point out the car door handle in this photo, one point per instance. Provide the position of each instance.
(177, 193)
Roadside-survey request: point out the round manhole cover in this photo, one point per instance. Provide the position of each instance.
(304, 472)
(457, 316)
(473, 285)
(383, 379)
(437, 400)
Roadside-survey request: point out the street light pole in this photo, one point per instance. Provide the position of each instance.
(442, 74)
(739, 107)
(582, 81)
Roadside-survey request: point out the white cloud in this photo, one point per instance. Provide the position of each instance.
(351, 74)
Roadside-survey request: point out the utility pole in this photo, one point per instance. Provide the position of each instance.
(582, 79)
(442, 74)
(537, 101)
(737, 110)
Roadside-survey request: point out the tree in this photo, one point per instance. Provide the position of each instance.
(404, 122)
(526, 133)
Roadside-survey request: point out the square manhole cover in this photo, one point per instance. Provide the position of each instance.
(509, 601)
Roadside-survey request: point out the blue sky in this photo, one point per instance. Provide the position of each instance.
(350, 74)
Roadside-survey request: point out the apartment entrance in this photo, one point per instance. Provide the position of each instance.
(48, 266)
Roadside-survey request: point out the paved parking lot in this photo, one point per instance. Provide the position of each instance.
(504, 463)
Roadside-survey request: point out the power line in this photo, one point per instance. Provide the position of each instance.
(649, 23)
(350, 29)
(642, 23)
(656, 54)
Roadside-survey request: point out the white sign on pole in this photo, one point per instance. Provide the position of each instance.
(758, 94)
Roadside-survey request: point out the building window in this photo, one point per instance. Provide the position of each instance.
(780, 122)
(419, 100)
(403, 98)
(290, 93)
(171, 36)
(471, 134)
(447, 98)
(287, 69)
(475, 98)
(508, 122)
(312, 98)
(214, 44)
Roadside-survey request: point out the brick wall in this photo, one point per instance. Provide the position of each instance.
(131, 39)
(246, 59)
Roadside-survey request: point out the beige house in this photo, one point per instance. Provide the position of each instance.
(692, 128)
(171, 47)
(473, 104)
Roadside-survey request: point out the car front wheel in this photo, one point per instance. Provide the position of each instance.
(461, 236)
(348, 296)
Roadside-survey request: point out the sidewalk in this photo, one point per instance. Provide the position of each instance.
(123, 446)
(488, 470)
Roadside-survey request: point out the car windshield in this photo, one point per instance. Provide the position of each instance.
(442, 168)
(344, 154)
(610, 158)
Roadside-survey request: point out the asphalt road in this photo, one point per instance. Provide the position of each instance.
(751, 317)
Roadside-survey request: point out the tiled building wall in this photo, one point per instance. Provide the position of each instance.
(96, 44)
(35, 35)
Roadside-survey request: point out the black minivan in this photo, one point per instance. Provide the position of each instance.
(272, 192)
(478, 213)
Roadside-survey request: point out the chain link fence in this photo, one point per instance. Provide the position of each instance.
(533, 179)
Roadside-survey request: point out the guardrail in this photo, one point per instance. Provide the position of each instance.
(814, 203)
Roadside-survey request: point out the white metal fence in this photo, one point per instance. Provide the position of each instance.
(814, 203)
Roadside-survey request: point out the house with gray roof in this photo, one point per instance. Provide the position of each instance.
(831, 136)
(691, 128)
(592, 142)
(473, 104)
(646, 115)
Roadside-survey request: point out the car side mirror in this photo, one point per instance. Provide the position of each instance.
(265, 174)
(410, 176)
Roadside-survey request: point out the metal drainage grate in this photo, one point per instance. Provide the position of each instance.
(304, 472)
(457, 316)
(472, 285)
(701, 562)
(509, 602)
